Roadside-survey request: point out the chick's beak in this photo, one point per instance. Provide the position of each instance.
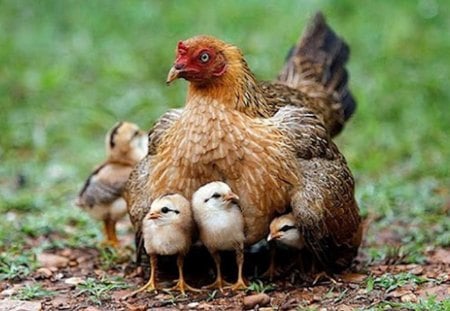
(154, 215)
(274, 236)
(174, 73)
(231, 197)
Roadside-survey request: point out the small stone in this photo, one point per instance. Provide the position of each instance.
(66, 252)
(8, 292)
(59, 276)
(193, 305)
(400, 292)
(91, 309)
(345, 307)
(256, 300)
(44, 272)
(73, 263)
(417, 270)
(19, 305)
(52, 260)
(74, 280)
(409, 298)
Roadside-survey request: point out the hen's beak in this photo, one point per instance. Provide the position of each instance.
(274, 236)
(231, 197)
(154, 215)
(174, 73)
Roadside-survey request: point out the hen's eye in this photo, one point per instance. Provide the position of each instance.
(286, 228)
(204, 57)
(216, 195)
(165, 210)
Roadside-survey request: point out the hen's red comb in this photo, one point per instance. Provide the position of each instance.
(182, 48)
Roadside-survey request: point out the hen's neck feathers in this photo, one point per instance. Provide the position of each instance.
(237, 88)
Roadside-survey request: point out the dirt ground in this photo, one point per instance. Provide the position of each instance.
(364, 286)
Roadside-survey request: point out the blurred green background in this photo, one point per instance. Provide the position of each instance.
(70, 69)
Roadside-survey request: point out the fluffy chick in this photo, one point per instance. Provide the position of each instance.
(167, 230)
(221, 226)
(284, 230)
(101, 195)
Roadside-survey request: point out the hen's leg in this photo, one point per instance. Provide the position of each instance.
(181, 284)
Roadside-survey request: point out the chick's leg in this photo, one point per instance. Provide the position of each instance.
(181, 284)
(240, 283)
(271, 271)
(219, 282)
(151, 284)
(109, 227)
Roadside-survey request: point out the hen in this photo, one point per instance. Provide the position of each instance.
(269, 141)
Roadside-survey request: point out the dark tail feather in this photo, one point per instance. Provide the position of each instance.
(320, 56)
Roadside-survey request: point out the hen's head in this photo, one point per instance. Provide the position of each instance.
(285, 230)
(202, 59)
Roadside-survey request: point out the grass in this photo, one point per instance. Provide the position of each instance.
(15, 265)
(98, 290)
(258, 286)
(390, 282)
(428, 304)
(33, 292)
(69, 71)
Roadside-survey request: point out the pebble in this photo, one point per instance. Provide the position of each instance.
(19, 305)
(51, 260)
(44, 272)
(256, 300)
(193, 305)
(74, 280)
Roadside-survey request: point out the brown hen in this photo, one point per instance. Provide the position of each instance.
(269, 141)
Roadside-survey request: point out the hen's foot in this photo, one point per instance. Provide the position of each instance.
(218, 283)
(239, 285)
(323, 276)
(182, 286)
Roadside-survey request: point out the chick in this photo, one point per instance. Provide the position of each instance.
(101, 195)
(221, 226)
(284, 230)
(167, 230)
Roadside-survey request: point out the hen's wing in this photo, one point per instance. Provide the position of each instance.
(324, 203)
(158, 130)
(136, 196)
(104, 185)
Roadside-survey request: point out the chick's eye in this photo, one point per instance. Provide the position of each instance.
(286, 228)
(216, 195)
(165, 210)
(204, 57)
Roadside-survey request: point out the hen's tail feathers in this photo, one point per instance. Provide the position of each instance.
(320, 56)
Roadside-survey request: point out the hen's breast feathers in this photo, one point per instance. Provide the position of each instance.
(210, 142)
